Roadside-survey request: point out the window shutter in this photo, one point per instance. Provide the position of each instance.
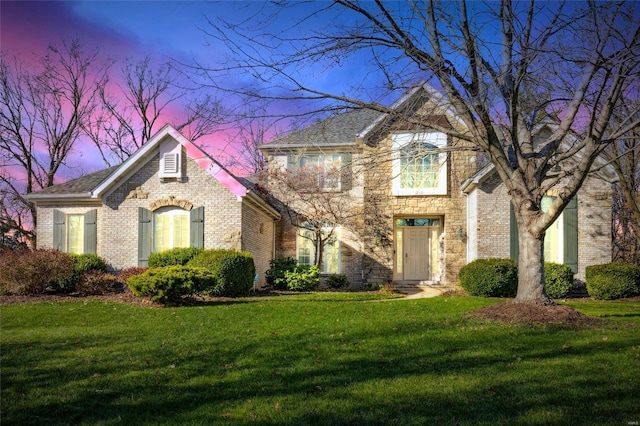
(346, 172)
(292, 163)
(197, 227)
(570, 237)
(514, 248)
(58, 229)
(144, 236)
(90, 231)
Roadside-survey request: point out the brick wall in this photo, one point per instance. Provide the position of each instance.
(257, 238)
(594, 221)
(117, 218)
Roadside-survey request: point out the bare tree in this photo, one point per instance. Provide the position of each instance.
(41, 118)
(503, 68)
(313, 199)
(624, 156)
(130, 112)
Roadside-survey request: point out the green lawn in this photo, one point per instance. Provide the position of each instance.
(318, 359)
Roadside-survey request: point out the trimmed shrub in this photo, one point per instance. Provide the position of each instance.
(96, 282)
(558, 280)
(176, 256)
(303, 278)
(613, 280)
(27, 272)
(336, 281)
(275, 276)
(233, 271)
(127, 273)
(490, 277)
(170, 284)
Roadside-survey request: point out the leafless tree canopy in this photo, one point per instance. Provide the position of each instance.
(504, 69)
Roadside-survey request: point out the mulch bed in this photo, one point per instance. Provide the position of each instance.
(529, 313)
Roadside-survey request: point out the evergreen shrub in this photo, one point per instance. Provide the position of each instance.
(558, 280)
(613, 280)
(233, 271)
(490, 278)
(336, 281)
(303, 278)
(171, 284)
(275, 276)
(172, 257)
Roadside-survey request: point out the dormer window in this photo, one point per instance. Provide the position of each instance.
(170, 165)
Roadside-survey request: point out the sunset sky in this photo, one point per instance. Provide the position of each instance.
(162, 30)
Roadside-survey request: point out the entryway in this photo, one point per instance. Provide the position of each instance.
(416, 248)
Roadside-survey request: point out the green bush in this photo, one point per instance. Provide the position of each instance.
(96, 282)
(336, 281)
(613, 280)
(490, 277)
(27, 272)
(170, 284)
(234, 271)
(176, 256)
(303, 278)
(558, 280)
(275, 276)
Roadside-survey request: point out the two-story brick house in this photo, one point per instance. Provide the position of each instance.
(383, 198)
(426, 206)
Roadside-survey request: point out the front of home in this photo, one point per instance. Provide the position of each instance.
(385, 199)
(423, 214)
(168, 194)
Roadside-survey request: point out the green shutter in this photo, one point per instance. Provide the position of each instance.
(144, 236)
(570, 237)
(59, 220)
(90, 231)
(346, 172)
(197, 227)
(514, 248)
(292, 165)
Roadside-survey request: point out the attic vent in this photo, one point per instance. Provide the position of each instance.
(171, 163)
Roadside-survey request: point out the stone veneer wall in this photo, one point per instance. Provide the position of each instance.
(383, 207)
(351, 247)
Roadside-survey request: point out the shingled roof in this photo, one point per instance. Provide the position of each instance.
(82, 185)
(337, 130)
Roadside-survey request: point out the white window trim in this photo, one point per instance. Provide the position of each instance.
(400, 140)
(337, 234)
(171, 212)
(67, 233)
(320, 166)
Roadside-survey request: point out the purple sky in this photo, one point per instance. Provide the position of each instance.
(119, 29)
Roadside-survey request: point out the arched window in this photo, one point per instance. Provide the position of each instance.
(418, 169)
(170, 228)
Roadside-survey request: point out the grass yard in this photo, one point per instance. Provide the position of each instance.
(315, 359)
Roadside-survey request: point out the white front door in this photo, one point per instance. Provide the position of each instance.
(416, 253)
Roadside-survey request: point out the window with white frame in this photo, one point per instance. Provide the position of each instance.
(75, 234)
(170, 228)
(307, 243)
(418, 169)
(553, 240)
(321, 171)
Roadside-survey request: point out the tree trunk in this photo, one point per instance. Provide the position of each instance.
(531, 269)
